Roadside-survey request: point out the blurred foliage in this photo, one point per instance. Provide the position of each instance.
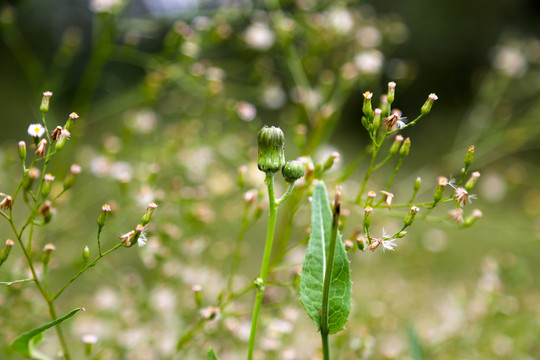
(170, 102)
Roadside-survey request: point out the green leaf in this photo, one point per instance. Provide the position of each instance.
(25, 343)
(212, 354)
(313, 270)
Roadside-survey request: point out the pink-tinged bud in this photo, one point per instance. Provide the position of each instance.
(439, 192)
(148, 213)
(5, 251)
(410, 216)
(47, 253)
(367, 217)
(377, 119)
(102, 218)
(476, 214)
(250, 196)
(22, 151)
(44, 106)
(71, 121)
(456, 215)
(472, 181)
(74, 170)
(197, 294)
(242, 170)
(405, 148)
(46, 189)
(30, 176)
(367, 109)
(396, 144)
(426, 108)
(370, 196)
(89, 340)
(391, 92)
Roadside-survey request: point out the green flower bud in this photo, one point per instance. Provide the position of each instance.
(30, 176)
(370, 196)
(148, 213)
(365, 123)
(405, 148)
(360, 243)
(197, 294)
(334, 157)
(410, 216)
(293, 170)
(271, 157)
(22, 151)
(470, 156)
(367, 216)
(241, 181)
(395, 145)
(391, 92)
(44, 107)
(439, 192)
(476, 214)
(5, 251)
(47, 253)
(46, 211)
(105, 210)
(367, 109)
(417, 184)
(426, 108)
(377, 119)
(71, 121)
(259, 283)
(85, 254)
(472, 181)
(46, 189)
(401, 234)
(74, 170)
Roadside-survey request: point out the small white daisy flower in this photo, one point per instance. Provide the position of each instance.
(36, 130)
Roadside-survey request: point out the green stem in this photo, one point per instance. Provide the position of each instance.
(327, 281)
(265, 263)
(368, 173)
(82, 271)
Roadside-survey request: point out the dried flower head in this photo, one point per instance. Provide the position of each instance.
(456, 215)
(388, 197)
(6, 203)
(40, 151)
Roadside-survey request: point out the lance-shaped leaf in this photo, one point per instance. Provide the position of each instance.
(25, 343)
(314, 268)
(212, 354)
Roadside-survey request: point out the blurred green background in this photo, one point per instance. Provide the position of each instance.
(166, 92)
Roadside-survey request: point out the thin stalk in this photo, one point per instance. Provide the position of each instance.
(328, 279)
(265, 263)
(368, 173)
(83, 270)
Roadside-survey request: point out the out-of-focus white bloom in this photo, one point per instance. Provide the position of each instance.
(215, 74)
(369, 61)
(259, 36)
(143, 121)
(102, 6)
(246, 111)
(36, 130)
(89, 338)
(274, 97)
(122, 171)
(310, 97)
(341, 20)
(510, 61)
(100, 166)
(368, 36)
(190, 49)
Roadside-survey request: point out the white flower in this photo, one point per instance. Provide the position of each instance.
(105, 6)
(36, 130)
(246, 111)
(341, 20)
(259, 36)
(400, 123)
(389, 244)
(369, 61)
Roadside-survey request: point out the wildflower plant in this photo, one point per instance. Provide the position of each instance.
(35, 194)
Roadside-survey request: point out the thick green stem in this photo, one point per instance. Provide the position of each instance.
(265, 263)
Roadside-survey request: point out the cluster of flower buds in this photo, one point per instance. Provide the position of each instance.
(271, 155)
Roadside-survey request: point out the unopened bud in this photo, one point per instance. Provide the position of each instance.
(259, 283)
(426, 108)
(29, 177)
(22, 151)
(271, 155)
(197, 294)
(102, 218)
(476, 214)
(89, 340)
(367, 216)
(46, 189)
(395, 145)
(410, 216)
(333, 158)
(85, 254)
(44, 107)
(391, 92)
(148, 213)
(47, 253)
(74, 170)
(417, 184)
(472, 181)
(6, 250)
(293, 170)
(377, 118)
(439, 192)
(241, 181)
(367, 108)
(401, 234)
(405, 148)
(360, 243)
(470, 156)
(250, 196)
(71, 121)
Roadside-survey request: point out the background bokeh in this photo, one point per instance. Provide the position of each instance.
(171, 95)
